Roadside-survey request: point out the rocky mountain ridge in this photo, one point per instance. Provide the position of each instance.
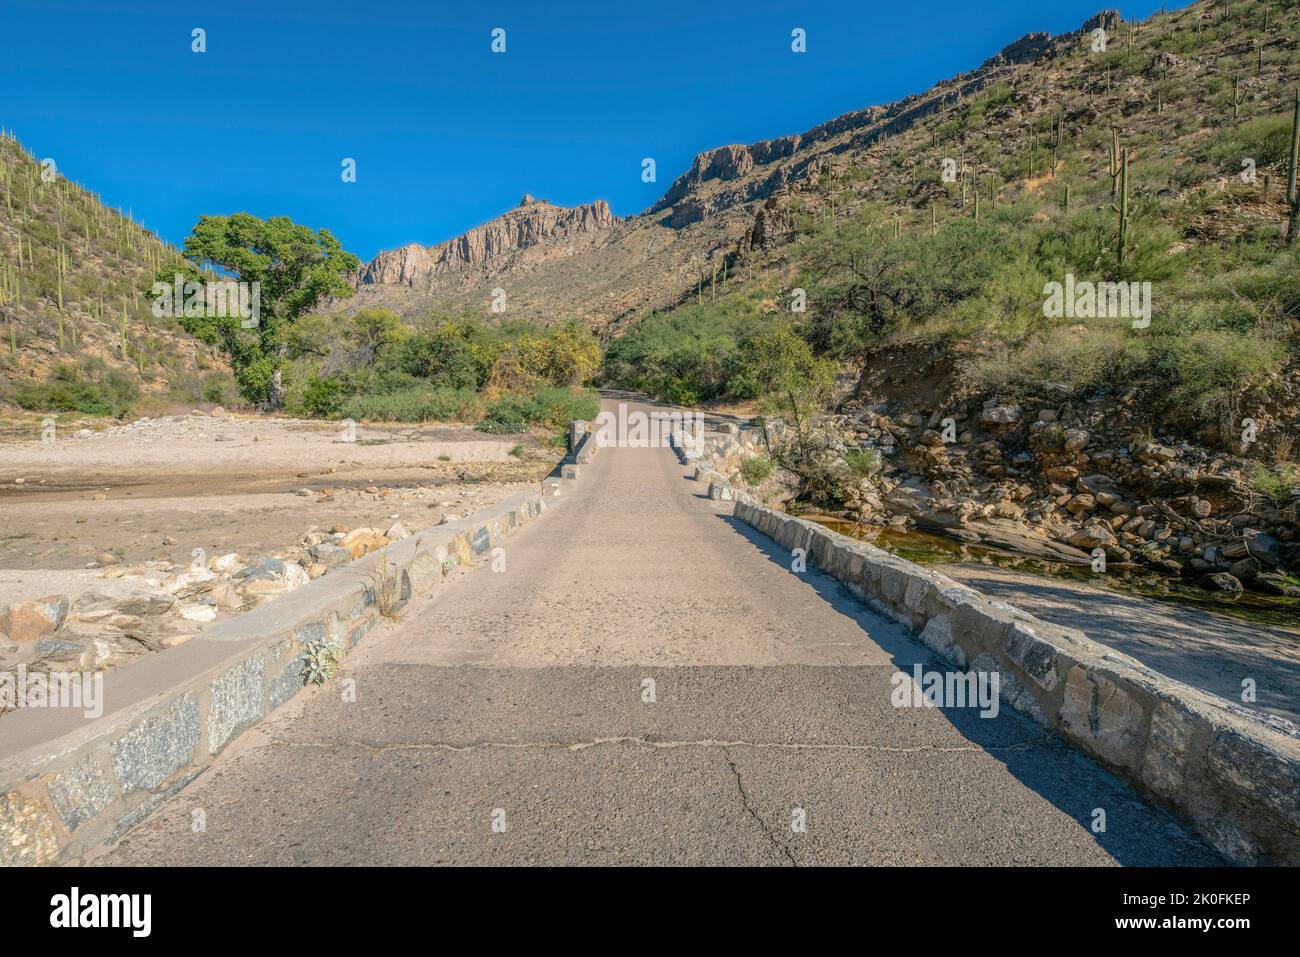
(531, 223)
(586, 264)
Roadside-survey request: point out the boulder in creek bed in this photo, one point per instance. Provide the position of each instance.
(1222, 583)
(1277, 584)
(34, 619)
(273, 571)
(329, 555)
(1092, 536)
(128, 596)
(1264, 548)
(1000, 414)
(363, 541)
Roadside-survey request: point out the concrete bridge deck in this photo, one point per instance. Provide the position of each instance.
(516, 699)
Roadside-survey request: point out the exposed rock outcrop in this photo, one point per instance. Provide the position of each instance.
(530, 223)
(1025, 50)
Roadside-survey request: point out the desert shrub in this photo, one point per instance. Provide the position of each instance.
(1083, 243)
(757, 470)
(789, 380)
(1266, 140)
(110, 394)
(567, 356)
(690, 355)
(457, 354)
(1276, 482)
(417, 404)
(863, 462)
(220, 389)
(864, 285)
(319, 396)
(1208, 369)
(549, 406)
(1076, 362)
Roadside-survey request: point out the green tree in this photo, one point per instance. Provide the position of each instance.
(295, 268)
(373, 329)
(456, 353)
(789, 380)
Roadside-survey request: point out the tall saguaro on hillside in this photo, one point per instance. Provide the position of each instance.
(1292, 187)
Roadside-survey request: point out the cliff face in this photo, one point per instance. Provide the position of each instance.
(529, 224)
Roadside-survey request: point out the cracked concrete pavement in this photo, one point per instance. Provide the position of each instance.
(646, 682)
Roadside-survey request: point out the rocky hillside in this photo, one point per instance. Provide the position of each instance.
(737, 203)
(732, 202)
(78, 333)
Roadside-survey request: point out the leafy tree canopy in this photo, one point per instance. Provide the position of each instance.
(296, 267)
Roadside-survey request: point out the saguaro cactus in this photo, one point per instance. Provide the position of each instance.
(1057, 135)
(1121, 208)
(1114, 166)
(1292, 187)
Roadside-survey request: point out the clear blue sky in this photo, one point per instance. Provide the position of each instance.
(445, 133)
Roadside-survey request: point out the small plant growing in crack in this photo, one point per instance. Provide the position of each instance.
(321, 659)
(385, 589)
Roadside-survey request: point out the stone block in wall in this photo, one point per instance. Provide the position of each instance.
(1174, 752)
(288, 682)
(1035, 656)
(158, 746)
(1103, 717)
(27, 835)
(1262, 772)
(236, 701)
(425, 570)
(938, 637)
(80, 792)
(985, 623)
(1011, 689)
(847, 564)
(894, 579)
(787, 530)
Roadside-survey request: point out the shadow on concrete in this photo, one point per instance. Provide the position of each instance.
(1048, 765)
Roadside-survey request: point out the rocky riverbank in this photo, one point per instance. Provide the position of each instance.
(1064, 484)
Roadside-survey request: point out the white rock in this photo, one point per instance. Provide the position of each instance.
(198, 612)
(190, 581)
(295, 576)
(225, 564)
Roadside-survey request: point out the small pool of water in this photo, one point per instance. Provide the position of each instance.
(926, 548)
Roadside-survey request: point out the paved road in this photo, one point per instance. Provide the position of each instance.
(517, 698)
